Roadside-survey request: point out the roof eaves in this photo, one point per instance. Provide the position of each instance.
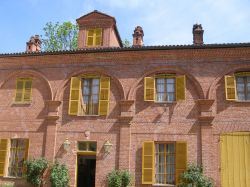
(121, 49)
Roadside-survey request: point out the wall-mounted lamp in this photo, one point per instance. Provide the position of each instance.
(66, 145)
(107, 147)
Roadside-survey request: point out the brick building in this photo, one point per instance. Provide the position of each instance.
(148, 109)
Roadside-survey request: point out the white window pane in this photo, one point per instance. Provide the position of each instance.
(170, 159)
(170, 87)
(160, 81)
(86, 82)
(95, 90)
(161, 148)
(86, 90)
(95, 82)
(160, 87)
(240, 87)
(248, 96)
(240, 79)
(160, 97)
(170, 148)
(171, 97)
(86, 99)
(241, 96)
(170, 81)
(95, 99)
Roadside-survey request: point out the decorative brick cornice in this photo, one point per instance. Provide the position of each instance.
(205, 111)
(52, 108)
(127, 110)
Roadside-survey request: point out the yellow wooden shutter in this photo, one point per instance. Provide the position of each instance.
(74, 98)
(3, 152)
(230, 87)
(181, 160)
(23, 90)
(27, 90)
(90, 37)
(19, 90)
(149, 89)
(98, 37)
(180, 88)
(104, 95)
(148, 154)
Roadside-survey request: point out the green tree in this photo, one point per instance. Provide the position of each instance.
(60, 36)
(194, 177)
(126, 43)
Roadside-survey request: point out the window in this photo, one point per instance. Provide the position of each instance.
(238, 86)
(163, 163)
(87, 146)
(164, 88)
(94, 37)
(23, 90)
(89, 95)
(243, 87)
(18, 154)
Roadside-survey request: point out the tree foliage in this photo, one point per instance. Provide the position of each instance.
(126, 43)
(119, 178)
(59, 175)
(60, 36)
(35, 169)
(194, 177)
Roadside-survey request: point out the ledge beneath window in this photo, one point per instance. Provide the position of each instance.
(239, 101)
(21, 104)
(164, 185)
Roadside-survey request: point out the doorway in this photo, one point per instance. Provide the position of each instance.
(235, 159)
(86, 171)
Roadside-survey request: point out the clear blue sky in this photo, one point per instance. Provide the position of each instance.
(165, 22)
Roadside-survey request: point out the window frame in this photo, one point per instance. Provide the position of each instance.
(90, 95)
(94, 37)
(165, 84)
(246, 92)
(165, 143)
(87, 151)
(24, 80)
(26, 153)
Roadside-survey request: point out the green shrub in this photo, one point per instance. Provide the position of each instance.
(119, 178)
(35, 169)
(59, 175)
(194, 177)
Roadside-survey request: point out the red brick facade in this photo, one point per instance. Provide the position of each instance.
(199, 120)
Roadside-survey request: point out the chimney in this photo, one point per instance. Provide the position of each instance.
(138, 37)
(197, 34)
(34, 44)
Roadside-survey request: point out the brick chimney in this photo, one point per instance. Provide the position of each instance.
(197, 34)
(138, 37)
(34, 44)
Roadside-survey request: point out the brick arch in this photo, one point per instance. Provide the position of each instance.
(33, 73)
(132, 91)
(92, 70)
(211, 92)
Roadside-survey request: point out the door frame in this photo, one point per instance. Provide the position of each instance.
(83, 153)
